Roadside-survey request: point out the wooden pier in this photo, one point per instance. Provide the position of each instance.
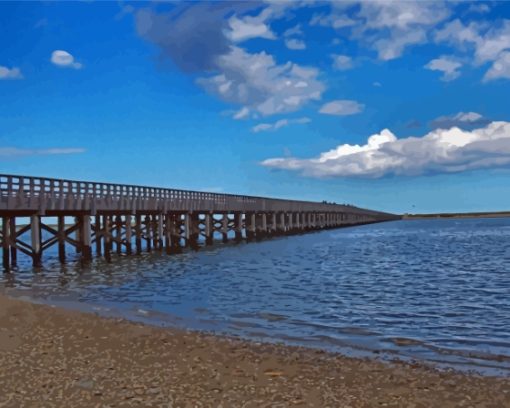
(125, 219)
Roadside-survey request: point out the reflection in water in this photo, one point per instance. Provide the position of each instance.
(436, 289)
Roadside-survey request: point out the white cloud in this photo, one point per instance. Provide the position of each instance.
(402, 15)
(392, 47)
(62, 58)
(389, 27)
(489, 43)
(242, 113)
(258, 83)
(463, 120)
(440, 151)
(13, 152)
(295, 44)
(500, 68)
(342, 62)
(264, 127)
(242, 29)
(296, 30)
(447, 65)
(341, 107)
(10, 73)
(480, 8)
(332, 20)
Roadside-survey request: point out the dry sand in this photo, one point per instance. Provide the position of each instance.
(58, 358)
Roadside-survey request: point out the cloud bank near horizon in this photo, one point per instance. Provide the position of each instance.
(450, 150)
(16, 152)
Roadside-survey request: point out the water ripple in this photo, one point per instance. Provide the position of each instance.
(437, 289)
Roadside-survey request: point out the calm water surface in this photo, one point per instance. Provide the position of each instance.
(437, 290)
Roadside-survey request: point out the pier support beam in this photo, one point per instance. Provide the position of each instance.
(61, 226)
(175, 232)
(148, 233)
(250, 226)
(35, 229)
(281, 227)
(224, 228)
(191, 229)
(138, 233)
(159, 237)
(129, 234)
(12, 237)
(107, 238)
(118, 234)
(86, 231)
(263, 223)
(6, 243)
(238, 226)
(208, 229)
(99, 234)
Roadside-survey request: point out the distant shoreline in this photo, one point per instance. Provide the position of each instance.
(497, 214)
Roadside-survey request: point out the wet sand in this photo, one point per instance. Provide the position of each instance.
(51, 357)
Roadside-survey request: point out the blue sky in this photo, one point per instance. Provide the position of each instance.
(264, 98)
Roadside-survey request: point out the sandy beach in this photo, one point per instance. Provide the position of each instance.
(51, 357)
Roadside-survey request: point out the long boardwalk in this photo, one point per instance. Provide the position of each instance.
(136, 218)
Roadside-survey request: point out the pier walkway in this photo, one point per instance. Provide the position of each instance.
(138, 218)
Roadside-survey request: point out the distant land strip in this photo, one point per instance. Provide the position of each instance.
(490, 214)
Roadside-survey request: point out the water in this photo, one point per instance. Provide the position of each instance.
(435, 290)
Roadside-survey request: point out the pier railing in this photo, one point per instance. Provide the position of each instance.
(48, 194)
(148, 217)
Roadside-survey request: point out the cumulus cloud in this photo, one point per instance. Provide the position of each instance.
(10, 73)
(258, 83)
(332, 20)
(342, 62)
(488, 43)
(242, 29)
(480, 8)
(463, 120)
(440, 151)
(500, 68)
(192, 36)
(342, 107)
(242, 113)
(447, 65)
(203, 38)
(63, 59)
(14, 152)
(295, 44)
(293, 31)
(388, 27)
(264, 127)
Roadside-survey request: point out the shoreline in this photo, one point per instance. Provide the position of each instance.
(71, 358)
(473, 215)
(485, 365)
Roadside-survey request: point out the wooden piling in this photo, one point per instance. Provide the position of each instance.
(107, 238)
(208, 230)
(238, 226)
(99, 234)
(35, 229)
(148, 233)
(12, 237)
(138, 233)
(86, 238)
(224, 228)
(118, 234)
(160, 232)
(61, 225)
(128, 234)
(78, 234)
(5, 243)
